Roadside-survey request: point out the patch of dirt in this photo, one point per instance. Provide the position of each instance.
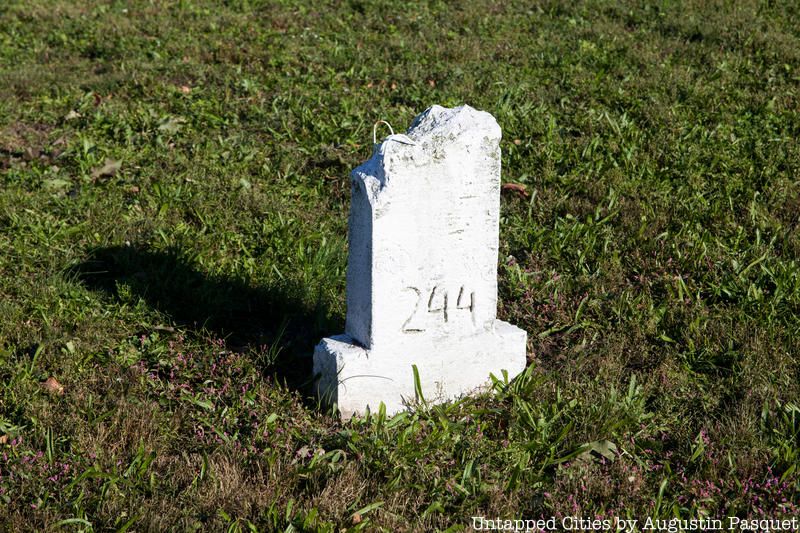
(20, 141)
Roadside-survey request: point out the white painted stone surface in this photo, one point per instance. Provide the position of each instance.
(422, 270)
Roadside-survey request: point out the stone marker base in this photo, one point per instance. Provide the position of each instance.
(354, 378)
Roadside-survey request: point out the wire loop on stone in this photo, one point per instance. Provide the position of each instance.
(375, 130)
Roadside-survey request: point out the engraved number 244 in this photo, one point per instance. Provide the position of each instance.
(438, 302)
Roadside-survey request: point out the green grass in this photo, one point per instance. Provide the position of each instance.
(173, 199)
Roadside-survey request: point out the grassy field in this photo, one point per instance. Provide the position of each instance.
(173, 198)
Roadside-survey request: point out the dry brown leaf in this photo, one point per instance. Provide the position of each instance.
(517, 188)
(3, 439)
(110, 168)
(52, 386)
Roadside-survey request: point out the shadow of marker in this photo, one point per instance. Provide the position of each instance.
(232, 309)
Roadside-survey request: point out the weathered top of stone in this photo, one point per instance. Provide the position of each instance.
(439, 123)
(428, 138)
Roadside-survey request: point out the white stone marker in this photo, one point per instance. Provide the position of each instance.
(422, 270)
